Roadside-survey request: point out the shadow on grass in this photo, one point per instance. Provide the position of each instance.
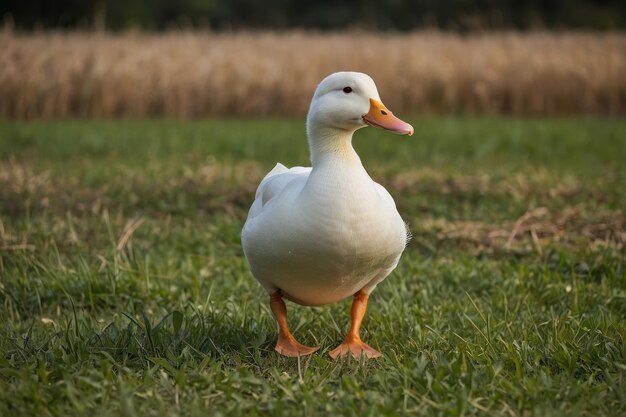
(178, 337)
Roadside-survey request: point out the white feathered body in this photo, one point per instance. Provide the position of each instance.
(320, 235)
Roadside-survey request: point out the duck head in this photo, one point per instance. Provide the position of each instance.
(347, 101)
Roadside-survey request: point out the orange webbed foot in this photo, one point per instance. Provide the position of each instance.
(289, 346)
(355, 347)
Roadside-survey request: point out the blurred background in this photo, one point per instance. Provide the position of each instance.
(317, 14)
(192, 58)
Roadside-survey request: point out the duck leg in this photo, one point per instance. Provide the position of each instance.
(353, 343)
(287, 345)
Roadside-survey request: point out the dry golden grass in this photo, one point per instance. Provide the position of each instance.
(192, 74)
(538, 228)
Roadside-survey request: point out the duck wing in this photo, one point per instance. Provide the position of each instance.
(273, 184)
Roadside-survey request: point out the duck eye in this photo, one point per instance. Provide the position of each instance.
(347, 90)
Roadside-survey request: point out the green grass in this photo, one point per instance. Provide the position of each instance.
(124, 291)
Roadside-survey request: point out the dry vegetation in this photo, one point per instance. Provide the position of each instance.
(56, 75)
(24, 190)
(536, 229)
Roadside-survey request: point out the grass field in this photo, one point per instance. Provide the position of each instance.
(124, 291)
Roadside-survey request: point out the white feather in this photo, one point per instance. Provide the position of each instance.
(321, 234)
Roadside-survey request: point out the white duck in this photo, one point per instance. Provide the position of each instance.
(318, 235)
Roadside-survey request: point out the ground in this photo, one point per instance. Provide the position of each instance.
(124, 290)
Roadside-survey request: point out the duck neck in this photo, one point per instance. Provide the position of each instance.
(331, 145)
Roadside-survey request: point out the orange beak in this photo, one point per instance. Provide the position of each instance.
(380, 116)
